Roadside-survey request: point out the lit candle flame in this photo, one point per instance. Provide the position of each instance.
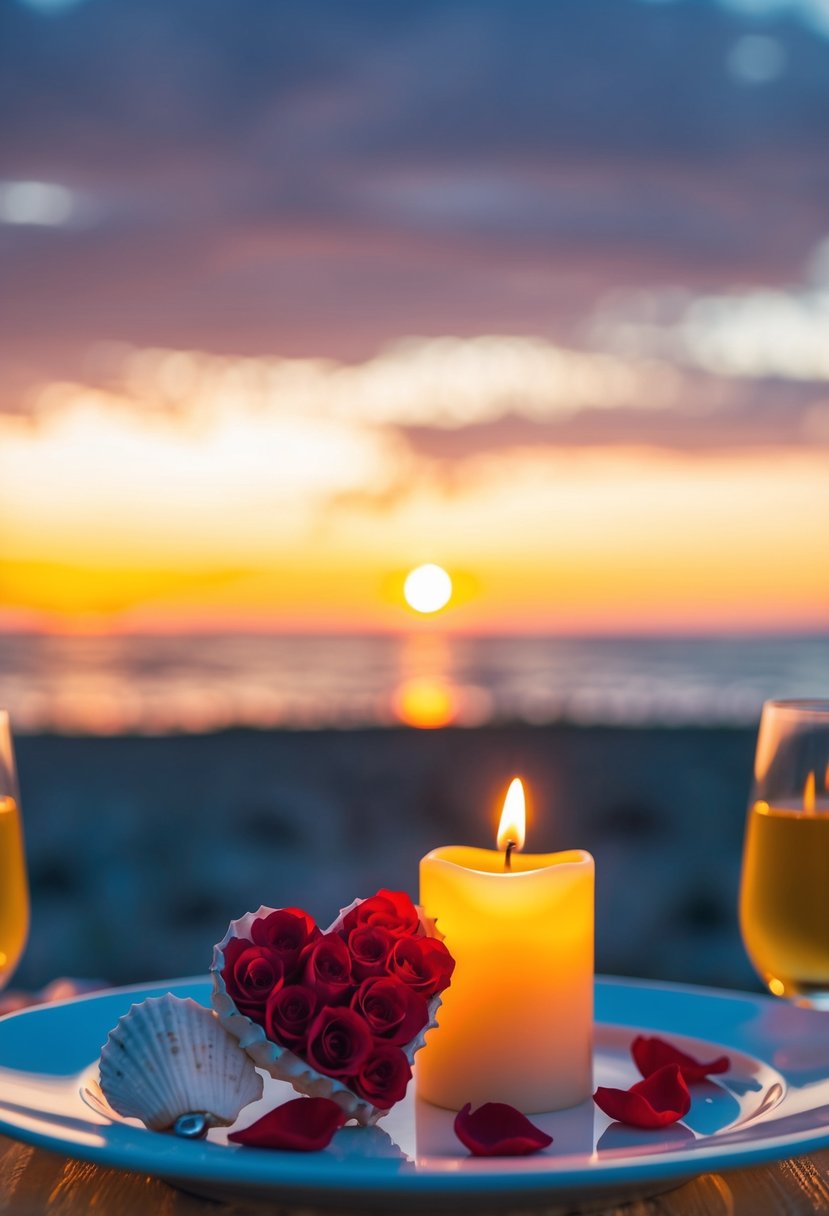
(512, 827)
(809, 795)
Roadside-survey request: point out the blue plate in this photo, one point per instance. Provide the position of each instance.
(773, 1103)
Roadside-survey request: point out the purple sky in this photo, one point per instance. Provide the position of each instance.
(323, 178)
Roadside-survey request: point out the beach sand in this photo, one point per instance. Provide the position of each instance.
(142, 849)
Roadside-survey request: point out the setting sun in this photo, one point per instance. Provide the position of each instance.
(427, 588)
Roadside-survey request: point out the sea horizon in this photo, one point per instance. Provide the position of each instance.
(162, 683)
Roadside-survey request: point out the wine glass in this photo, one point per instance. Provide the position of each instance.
(784, 893)
(14, 889)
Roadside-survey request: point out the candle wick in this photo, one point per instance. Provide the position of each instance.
(508, 855)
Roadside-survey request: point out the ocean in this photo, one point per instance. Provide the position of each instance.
(165, 684)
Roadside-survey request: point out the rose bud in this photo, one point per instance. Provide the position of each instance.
(339, 1042)
(369, 948)
(392, 1009)
(383, 1078)
(287, 932)
(288, 1014)
(251, 973)
(423, 963)
(328, 969)
(390, 910)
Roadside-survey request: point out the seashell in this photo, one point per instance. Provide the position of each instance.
(282, 1063)
(170, 1057)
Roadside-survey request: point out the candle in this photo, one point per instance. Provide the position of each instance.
(516, 1025)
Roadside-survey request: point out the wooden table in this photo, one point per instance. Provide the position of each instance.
(34, 1182)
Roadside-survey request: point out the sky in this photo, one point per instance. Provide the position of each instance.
(296, 296)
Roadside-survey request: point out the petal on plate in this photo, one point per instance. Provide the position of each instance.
(652, 1053)
(660, 1099)
(302, 1125)
(498, 1130)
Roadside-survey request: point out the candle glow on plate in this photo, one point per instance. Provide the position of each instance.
(516, 1023)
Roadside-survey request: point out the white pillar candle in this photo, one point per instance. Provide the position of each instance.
(516, 1025)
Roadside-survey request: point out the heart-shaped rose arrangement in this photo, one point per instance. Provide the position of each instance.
(340, 1013)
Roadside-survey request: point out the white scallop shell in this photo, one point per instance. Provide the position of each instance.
(170, 1056)
(283, 1064)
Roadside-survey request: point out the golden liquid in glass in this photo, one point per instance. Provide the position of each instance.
(784, 899)
(14, 894)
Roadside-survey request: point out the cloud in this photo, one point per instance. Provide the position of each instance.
(773, 334)
(287, 444)
(39, 203)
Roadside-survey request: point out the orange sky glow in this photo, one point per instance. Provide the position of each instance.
(295, 509)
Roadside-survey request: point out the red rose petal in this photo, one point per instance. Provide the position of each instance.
(650, 1054)
(303, 1125)
(660, 1099)
(498, 1130)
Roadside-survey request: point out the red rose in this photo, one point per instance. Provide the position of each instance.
(339, 1042)
(288, 1014)
(369, 948)
(286, 932)
(383, 1078)
(423, 963)
(390, 910)
(251, 973)
(392, 1009)
(328, 969)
